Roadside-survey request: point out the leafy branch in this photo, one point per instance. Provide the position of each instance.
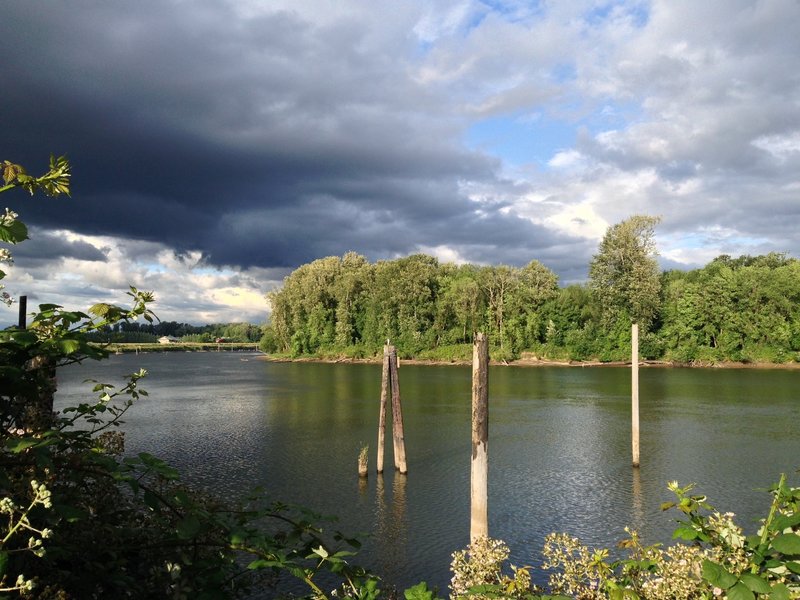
(53, 183)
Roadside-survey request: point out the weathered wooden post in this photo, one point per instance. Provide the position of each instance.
(23, 309)
(479, 474)
(397, 414)
(38, 410)
(635, 393)
(363, 458)
(382, 417)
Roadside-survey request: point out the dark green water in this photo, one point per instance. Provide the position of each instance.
(559, 447)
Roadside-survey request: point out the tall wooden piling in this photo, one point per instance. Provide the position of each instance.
(635, 393)
(479, 473)
(23, 311)
(397, 414)
(385, 391)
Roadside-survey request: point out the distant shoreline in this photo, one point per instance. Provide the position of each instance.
(525, 361)
(134, 347)
(537, 362)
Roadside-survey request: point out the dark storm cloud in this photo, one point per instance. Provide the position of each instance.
(261, 142)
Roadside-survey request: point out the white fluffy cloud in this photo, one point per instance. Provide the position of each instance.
(187, 289)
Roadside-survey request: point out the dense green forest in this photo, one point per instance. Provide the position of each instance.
(734, 309)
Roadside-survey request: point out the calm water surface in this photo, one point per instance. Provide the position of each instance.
(559, 447)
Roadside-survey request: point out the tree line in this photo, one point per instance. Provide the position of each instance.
(743, 309)
(142, 333)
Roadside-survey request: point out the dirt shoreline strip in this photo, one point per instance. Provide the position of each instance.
(536, 362)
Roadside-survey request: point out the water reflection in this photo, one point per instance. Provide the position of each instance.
(391, 527)
(638, 506)
(559, 448)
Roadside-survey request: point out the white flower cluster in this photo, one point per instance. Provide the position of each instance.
(7, 506)
(8, 218)
(17, 523)
(22, 584)
(479, 564)
(43, 495)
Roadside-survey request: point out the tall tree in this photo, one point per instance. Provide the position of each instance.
(349, 291)
(624, 274)
(500, 285)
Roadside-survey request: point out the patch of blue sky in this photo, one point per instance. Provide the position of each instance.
(520, 139)
(639, 12)
(564, 72)
(689, 241)
(155, 268)
(515, 10)
(704, 239)
(536, 137)
(612, 115)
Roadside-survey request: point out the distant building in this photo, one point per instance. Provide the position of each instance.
(220, 340)
(167, 339)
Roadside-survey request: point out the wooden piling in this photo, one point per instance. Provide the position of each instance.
(635, 393)
(363, 458)
(397, 414)
(23, 309)
(382, 417)
(479, 473)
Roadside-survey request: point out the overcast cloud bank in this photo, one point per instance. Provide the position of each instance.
(217, 145)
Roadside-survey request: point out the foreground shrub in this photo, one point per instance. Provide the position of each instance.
(713, 560)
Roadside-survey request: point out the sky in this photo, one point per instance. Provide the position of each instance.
(218, 144)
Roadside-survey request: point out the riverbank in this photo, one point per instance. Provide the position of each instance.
(528, 360)
(181, 347)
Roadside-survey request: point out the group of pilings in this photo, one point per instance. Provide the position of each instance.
(479, 469)
(390, 388)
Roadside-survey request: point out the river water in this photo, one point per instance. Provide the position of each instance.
(559, 446)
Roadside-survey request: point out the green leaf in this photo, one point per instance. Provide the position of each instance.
(68, 346)
(685, 532)
(3, 564)
(14, 233)
(188, 527)
(71, 514)
(740, 592)
(793, 566)
(786, 521)
(264, 564)
(787, 543)
(485, 589)
(779, 592)
(24, 338)
(717, 575)
(755, 583)
(17, 445)
(419, 592)
(182, 498)
(238, 537)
